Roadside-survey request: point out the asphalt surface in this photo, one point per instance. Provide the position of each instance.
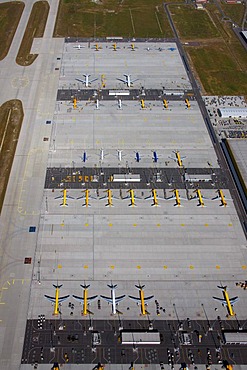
(161, 178)
(47, 341)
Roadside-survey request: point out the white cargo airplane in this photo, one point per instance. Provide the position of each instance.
(127, 80)
(87, 82)
(113, 300)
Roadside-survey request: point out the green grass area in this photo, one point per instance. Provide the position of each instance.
(11, 117)
(126, 18)
(234, 11)
(10, 14)
(218, 71)
(35, 28)
(192, 23)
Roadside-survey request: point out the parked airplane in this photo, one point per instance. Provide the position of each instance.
(222, 197)
(132, 198)
(115, 47)
(187, 103)
(132, 47)
(141, 300)
(178, 158)
(84, 157)
(127, 80)
(57, 300)
(86, 197)
(85, 300)
(102, 155)
(155, 198)
(226, 301)
(109, 197)
(120, 155)
(113, 300)
(79, 47)
(155, 157)
(64, 196)
(87, 82)
(177, 197)
(97, 47)
(165, 103)
(200, 198)
(137, 157)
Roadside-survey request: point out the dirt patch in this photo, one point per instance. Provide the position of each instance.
(35, 28)
(10, 14)
(11, 117)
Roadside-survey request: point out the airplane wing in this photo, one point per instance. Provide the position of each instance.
(69, 197)
(107, 299)
(53, 300)
(136, 299)
(81, 299)
(92, 80)
(78, 79)
(222, 300)
(132, 81)
(120, 79)
(120, 298)
(233, 300)
(147, 299)
(59, 197)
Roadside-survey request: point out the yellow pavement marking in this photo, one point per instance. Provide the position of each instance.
(2, 302)
(86, 224)
(110, 225)
(165, 267)
(85, 266)
(8, 282)
(205, 224)
(59, 266)
(191, 267)
(230, 224)
(158, 225)
(134, 225)
(112, 267)
(138, 267)
(182, 224)
(244, 267)
(13, 281)
(217, 267)
(62, 223)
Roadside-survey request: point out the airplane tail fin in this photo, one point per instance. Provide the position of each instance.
(140, 286)
(222, 287)
(85, 286)
(57, 286)
(112, 286)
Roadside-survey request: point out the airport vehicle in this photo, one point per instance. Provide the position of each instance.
(86, 81)
(57, 300)
(226, 301)
(109, 198)
(155, 198)
(132, 198)
(137, 157)
(177, 197)
(84, 157)
(120, 104)
(155, 157)
(178, 158)
(97, 103)
(171, 49)
(222, 197)
(64, 196)
(127, 80)
(79, 47)
(85, 300)
(86, 197)
(141, 300)
(200, 198)
(113, 300)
